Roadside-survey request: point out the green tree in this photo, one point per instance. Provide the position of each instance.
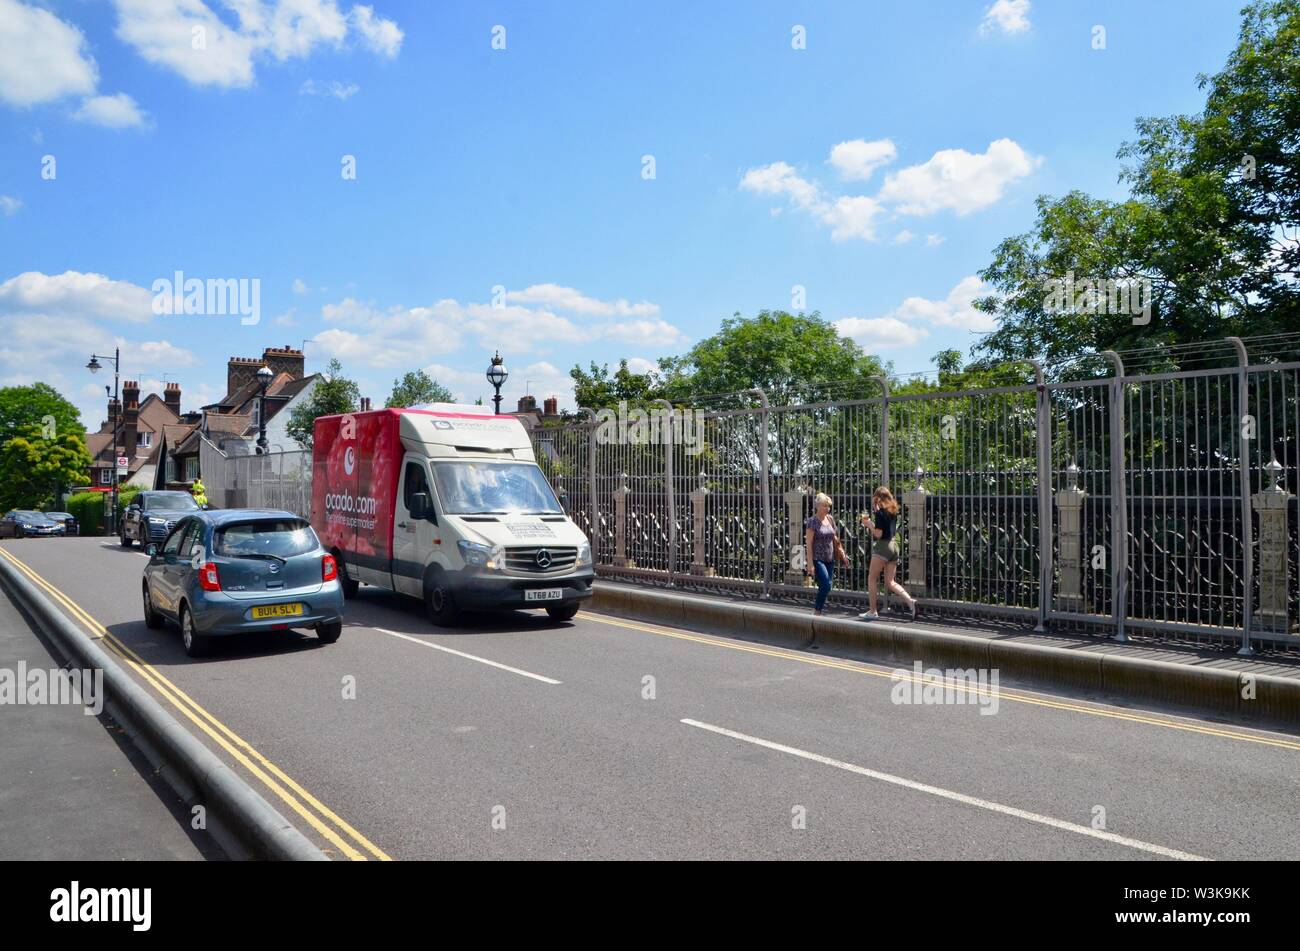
(417, 388)
(1213, 198)
(37, 405)
(596, 388)
(37, 464)
(333, 393)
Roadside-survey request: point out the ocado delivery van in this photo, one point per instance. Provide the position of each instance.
(445, 503)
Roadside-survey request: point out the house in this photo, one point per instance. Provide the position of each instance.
(143, 429)
(232, 423)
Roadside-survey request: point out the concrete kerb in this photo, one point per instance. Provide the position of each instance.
(241, 821)
(1212, 690)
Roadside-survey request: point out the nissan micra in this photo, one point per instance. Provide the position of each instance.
(240, 571)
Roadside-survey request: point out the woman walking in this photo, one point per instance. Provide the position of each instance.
(822, 548)
(882, 523)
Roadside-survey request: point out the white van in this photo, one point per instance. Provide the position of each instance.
(445, 503)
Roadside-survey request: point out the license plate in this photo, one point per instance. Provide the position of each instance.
(277, 610)
(544, 594)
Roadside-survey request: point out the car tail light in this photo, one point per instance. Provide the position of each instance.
(209, 580)
(329, 568)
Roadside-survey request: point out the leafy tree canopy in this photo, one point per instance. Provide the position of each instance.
(416, 388)
(333, 393)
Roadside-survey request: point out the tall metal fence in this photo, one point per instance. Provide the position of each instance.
(1152, 503)
(277, 480)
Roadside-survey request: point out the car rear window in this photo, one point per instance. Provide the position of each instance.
(283, 538)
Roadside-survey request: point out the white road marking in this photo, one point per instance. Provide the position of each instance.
(481, 660)
(954, 796)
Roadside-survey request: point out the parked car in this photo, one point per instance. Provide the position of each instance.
(21, 523)
(152, 515)
(67, 520)
(239, 571)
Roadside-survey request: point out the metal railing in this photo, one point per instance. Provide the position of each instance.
(276, 480)
(1147, 503)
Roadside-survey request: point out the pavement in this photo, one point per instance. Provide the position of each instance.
(73, 787)
(515, 737)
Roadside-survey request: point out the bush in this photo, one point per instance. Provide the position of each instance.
(88, 509)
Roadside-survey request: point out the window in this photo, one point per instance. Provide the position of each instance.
(191, 468)
(415, 482)
(144, 441)
(168, 502)
(484, 488)
(105, 476)
(280, 538)
(173, 543)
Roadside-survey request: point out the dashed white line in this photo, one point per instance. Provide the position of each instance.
(481, 660)
(954, 796)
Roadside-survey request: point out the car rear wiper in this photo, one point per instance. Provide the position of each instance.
(262, 555)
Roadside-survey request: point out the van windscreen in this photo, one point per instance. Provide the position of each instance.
(499, 488)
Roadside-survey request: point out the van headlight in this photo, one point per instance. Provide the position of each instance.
(481, 556)
(584, 555)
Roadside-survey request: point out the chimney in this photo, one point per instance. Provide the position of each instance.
(284, 360)
(130, 417)
(240, 371)
(552, 405)
(527, 405)
(114, 409)
(365, 404)
(172, 397)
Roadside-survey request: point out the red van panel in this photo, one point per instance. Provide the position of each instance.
(354, 484)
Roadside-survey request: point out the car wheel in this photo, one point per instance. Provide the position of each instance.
(439, 603)
(196, 645)
(562, 612)
(152, 619)
(329, 633)
(348, 585)
(126, 542)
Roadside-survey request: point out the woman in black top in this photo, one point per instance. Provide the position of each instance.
(883, 526)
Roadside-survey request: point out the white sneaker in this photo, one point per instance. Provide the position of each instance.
(868, 616)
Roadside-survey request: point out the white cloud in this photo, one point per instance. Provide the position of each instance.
(300, 287)
(954, 310)
(848, 217)
(933, 240)
(575, 302)
(904, 236)
(41, 57)
(956, 180)
(1006, 16)
(644, 333)
(340, 91)
(880, 333)
(115, 112)
(855, 160)
(73, 294)
(9, 205)
(642, 365)
(187, 37)
(164, 355)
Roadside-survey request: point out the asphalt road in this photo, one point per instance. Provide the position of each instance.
(513, 737)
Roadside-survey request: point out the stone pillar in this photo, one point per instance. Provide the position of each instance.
(794, 568)
(1272, 506)
(699, 556)
(917, 536)
(620, 524)
(1069, 525)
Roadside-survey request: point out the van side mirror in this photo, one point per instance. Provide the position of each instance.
(420, 506)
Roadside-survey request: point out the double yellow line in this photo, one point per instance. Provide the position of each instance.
(1014, 696)
(275, 779)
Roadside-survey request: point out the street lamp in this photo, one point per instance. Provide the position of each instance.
(263, 380)
(94, 367)
(496, 375)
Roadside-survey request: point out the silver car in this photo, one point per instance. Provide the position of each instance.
(240, 571)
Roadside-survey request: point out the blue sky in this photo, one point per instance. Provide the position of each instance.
(501, 196)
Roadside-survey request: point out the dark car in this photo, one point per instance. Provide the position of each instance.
(239, 571)
(67, 520)
(152, 515)
(21, 523)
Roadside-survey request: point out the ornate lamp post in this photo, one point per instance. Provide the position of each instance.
(94, 366)
(496, 375)
(264, 376)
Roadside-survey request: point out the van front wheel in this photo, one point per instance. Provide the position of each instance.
(563, 612)
(439, 602)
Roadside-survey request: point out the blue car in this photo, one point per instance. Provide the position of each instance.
(240, 571)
